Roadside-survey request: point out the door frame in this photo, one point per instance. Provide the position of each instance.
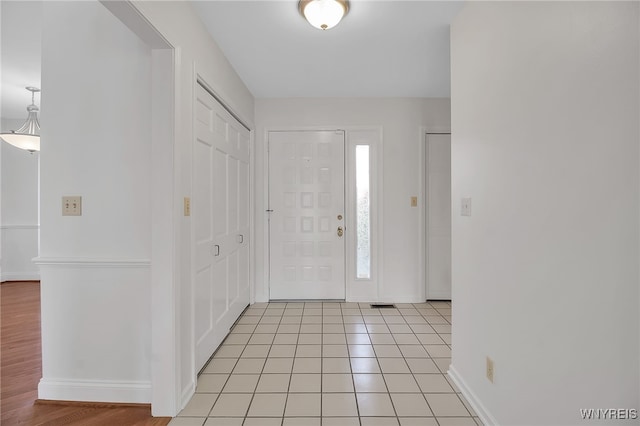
(423, 225)
(352, 293)
(164, 280)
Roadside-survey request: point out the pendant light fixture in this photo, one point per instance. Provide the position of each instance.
(27, 137)
(323, 14)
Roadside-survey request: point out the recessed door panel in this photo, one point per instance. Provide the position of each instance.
(220, 223)
(306, 199)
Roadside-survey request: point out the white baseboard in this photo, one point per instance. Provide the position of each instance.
(400, 299)
(392, 300)
(95, 391)
(484, 414)
(187, 394)
(20, 276)
(439, 297)
(90, 262)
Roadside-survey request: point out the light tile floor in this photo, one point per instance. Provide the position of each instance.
(332, 364)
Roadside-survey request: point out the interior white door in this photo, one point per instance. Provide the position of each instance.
(220, 223)
(438, 216)
(306, 219)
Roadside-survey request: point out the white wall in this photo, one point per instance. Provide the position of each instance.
(20, 67)
(195, 54)
(401, 121)
(545, 107)
(96, 143)
(98, 266)
(19, 215)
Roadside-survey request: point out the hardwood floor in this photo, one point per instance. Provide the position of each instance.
(21, 369)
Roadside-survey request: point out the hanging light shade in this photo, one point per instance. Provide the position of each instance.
(26, 137)
(323, 14)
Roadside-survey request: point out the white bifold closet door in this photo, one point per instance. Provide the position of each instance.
(220, 223)
(306, 222)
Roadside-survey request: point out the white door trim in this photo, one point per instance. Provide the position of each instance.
(423, 214)
(365, 290)
(378, 269)
(165, 362)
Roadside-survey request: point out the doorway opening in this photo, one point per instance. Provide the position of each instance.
(437, 184)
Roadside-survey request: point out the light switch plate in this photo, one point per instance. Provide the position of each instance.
(187, 206)
(414, 201)
(465, 207)
(72, 205)
(490, 369)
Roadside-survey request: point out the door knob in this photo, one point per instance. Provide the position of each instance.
(340, 231)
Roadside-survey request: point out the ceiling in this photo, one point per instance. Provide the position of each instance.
(382, 48)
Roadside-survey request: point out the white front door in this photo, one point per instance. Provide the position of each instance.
(438, 216)
(220, 223)
(306, 219)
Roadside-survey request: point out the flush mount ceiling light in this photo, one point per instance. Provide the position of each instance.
(323, 14)
(26, 137)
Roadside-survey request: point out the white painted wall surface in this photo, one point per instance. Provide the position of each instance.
(401, 120)
(180, 26)
(96, 325)
(545, 107)
(196, 53)
(19, 215)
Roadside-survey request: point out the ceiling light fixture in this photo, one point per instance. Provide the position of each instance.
(27, 137)
(323, 14)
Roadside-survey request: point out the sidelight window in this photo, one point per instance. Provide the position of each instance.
(363, 213)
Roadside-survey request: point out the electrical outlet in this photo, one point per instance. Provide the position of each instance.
(414, 201)
(72, 206)
(490, 369)
(187, 206)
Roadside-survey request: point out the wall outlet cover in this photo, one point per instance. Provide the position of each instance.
(71, 205)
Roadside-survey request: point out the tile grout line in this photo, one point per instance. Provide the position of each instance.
(445, 376)
(211, 359)
(355, 393)
(414, 377)
(405, 361)
(246, 413)
(353, 330)
(438, 367)
(286, 401)
(382, 373)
